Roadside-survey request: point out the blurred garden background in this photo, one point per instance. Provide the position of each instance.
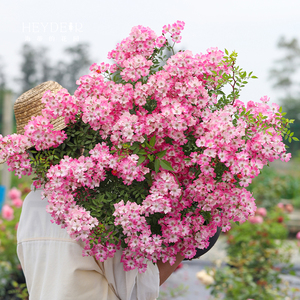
(255, 260)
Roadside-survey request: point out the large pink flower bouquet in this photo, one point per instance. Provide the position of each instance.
(155, 156)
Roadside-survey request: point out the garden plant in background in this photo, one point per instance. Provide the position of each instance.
(11, 276)
(273, 185)
(179, 291)
(155, 155)
(257, 256)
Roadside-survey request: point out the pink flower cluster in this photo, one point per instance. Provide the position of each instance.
(180, 234)
(141, 41)
(135, 68)
(41, 134)
(258, 218)
(60, 105)
(105, 104)
(7, 211)
(15, 195)
(38, 132)
(228, 149)
(175, 30)
(69, 175)
(13, 150)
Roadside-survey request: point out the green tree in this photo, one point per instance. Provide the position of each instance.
(285, 75)
(29, 64)
(45, 69)
(36, 66)
(67, 72)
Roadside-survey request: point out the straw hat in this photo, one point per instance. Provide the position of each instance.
(29, 104)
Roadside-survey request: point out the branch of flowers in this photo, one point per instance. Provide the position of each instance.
(285, 126)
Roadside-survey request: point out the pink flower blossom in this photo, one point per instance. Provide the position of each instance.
(280, 205)
(255, 219)
(7, 212)
(14, 193)
(264, 99)
(17, 202)
(261, 211)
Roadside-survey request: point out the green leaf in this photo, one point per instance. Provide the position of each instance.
(152, 141)
(136, 150)
(295, 139)
(141, 160)
(156, 165)
(134, 146)
(151, 157)
(166, 165)
(161, 153)
(142, 152)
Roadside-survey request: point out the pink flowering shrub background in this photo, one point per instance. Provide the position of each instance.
(155, 156)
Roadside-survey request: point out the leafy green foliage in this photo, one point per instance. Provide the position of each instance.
(80, 140)
(100, 202)
(173, 292)
(10, 271)
(255, 254)
(19, 290)
(237, 79)
(8, 239)
(271, 186)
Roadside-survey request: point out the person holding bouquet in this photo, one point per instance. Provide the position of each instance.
(139, 169)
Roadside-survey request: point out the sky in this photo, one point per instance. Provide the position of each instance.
(252, 28)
